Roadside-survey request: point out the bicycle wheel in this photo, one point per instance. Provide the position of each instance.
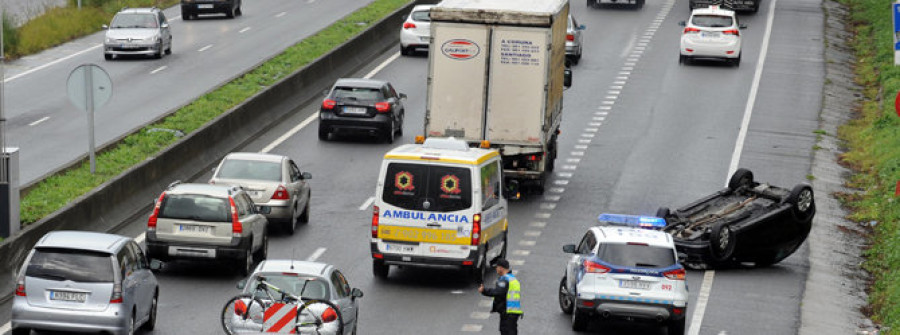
(319, 317)
(242, 314)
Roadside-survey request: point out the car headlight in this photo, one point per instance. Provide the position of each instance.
(154, 38)
(110, 40)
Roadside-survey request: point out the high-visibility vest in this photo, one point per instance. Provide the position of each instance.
(513, 295)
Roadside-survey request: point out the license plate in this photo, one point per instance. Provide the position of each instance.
(709, 34)
(398, 247)
(634, 284)
(354, 110)
(205, 6)
(195, 229)
(407, 259)
(68, 296)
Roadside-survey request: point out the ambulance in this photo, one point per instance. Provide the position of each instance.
(439, 203)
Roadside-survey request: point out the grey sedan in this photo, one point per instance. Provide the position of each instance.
(279, 190)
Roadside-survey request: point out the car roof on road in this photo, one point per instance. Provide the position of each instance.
(255, 156)
(360, 82)
(293, 266)
(82, 240)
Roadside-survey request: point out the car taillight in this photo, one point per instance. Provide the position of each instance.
(678, 311)
(734, 32)
(408, 25)
(690, 30)
(329, 315)
(476, 229)
(677, 274)
(116, 297)
(236, 227)
(20, 287)
(592, 267)
(328, 104)
(383, 107)
(375, 214)
(570, 37)
(281, 193)
(151, 223)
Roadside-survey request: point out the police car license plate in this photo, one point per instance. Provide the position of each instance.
(68, 296)
(710, 34)
(195, 229)
(634, 284)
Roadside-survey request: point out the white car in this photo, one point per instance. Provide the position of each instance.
(711, 32)
(416, 31)
(621, 271)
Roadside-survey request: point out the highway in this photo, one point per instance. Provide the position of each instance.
(639, 131)
(51, 132)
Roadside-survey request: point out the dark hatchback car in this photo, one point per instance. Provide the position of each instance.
(362, 105)
(190, 8)
(746, 222)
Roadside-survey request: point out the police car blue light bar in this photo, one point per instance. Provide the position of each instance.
(640, 221)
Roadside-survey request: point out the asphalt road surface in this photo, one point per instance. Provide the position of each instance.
(639, 131)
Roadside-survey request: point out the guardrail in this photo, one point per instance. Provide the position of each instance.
(125, 197)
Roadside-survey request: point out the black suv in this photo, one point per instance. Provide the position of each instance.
(190, 8)
(362, 105)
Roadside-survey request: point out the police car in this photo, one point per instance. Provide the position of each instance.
(625, 269)
(711, 32)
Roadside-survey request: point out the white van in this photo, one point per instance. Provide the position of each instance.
(439, 204)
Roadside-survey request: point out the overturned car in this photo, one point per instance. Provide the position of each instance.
(746, 222)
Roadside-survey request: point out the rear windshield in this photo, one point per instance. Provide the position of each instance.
(421, 15)
(342, 93)
(75, 265)
(428, 187)
(298, 285)
(711, 21)
(134, 21)
(194, 207)
(633, 255)
(250, 169)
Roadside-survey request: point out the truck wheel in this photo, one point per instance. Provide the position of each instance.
(565, 299)
(722, 242)
(676, 327)
(803, 204)
(741, 177)
(579, 320)
(379, 269)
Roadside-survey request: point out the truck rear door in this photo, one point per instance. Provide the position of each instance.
(456, 75)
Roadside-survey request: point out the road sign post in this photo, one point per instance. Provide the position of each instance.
(895, 15)
(89, 87)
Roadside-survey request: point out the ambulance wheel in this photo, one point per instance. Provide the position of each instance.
(477, 272)
(505, 243)
(379, 269)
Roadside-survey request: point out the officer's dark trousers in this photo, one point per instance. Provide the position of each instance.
(509, 324)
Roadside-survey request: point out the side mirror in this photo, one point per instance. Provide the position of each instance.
(306, 175)
(582, 27)
(567, 77)
(742, 26)
(241, 284)
(104, 27)
(402, 95)
(156, 265)
(682, 23)
(569, 248)
(356, 293)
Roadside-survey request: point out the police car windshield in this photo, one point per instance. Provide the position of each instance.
(711, 21)
(636, 255)
(428, 187)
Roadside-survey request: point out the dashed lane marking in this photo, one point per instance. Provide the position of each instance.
(318, 253)
(548, 206)
(556, 197)
(533, 233)
(471, 328)
(558, 189)
(570, 167)
(39, 121)
(561, 175)
(527, 243)
(538, 224)
(581, 147)
(367, 203)
(205, 48)
(159, 69)
(521, 252)
(584, 140)
(25, 73)
(542, 215)
(480, 315)
(517, 262)
(280, 14)
(244, 30)
(577, 153)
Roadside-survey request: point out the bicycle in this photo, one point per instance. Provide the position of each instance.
(286, 314)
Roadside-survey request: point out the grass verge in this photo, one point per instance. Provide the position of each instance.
(62, 24)
(873, 142)
(58, 190)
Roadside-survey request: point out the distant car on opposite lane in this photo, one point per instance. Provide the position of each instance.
(368, 106)
(137, 31)
(416, 31)
(711, 33)
(274, 182)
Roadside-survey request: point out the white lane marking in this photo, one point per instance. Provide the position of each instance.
(205, 48)
(558, 189)
(591, 130)
(697, 318)
(140, 238)
(570, 167)
(622, 78)
(527, 243)
(556, 197)
(573, 160)
(51, 63)
(533, 233)
(612, 97)
(538, 224)
(313, 117)
(480, 315)
(521, 252)
(702, 299)
(584, 140)
(382, 66)
(159, 69)
(587, 135)
(280, 14)
(318, 253)
(5, 328)
(609, 102)
(577, 153)
(517, 262)
(244, 30)
(367, 203)
(581, 147)
(470, 328)
(548, 206)
(561, 182)
(619, 82)
(39, 121)
(561, 175)
(542, 215)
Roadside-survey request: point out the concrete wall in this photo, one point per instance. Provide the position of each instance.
(119, 200)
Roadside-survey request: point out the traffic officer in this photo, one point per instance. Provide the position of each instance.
(507, 299)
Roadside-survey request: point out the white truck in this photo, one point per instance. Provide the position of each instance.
(496, 74)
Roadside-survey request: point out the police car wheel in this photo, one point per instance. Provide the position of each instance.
(478, 272)
(565, 299)
(379, 269)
